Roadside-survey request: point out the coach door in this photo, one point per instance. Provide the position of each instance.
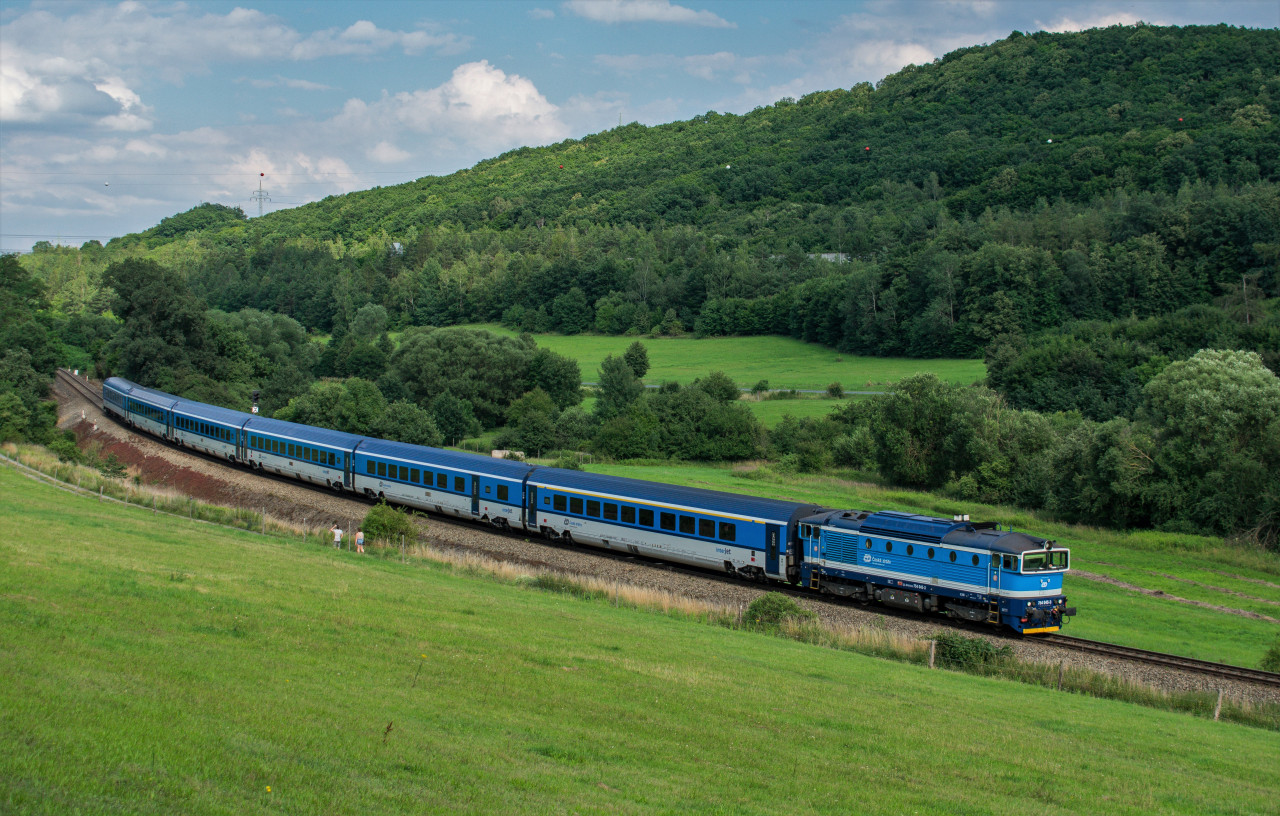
(531, 507)
(475, 495)
(773, 535)
(346, 470)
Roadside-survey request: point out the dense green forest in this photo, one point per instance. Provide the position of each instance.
(1088, 211)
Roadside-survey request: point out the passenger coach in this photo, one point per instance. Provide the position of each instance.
(705, 528)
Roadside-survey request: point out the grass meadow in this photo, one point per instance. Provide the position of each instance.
(162, 666)
(783, 361)
(1201, 570)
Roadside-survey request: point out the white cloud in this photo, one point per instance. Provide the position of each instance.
(479, 104)
(643, 11)
(541, 14)
(386, 153)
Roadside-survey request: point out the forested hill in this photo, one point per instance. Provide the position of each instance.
(1000, 191)
(1069, 116)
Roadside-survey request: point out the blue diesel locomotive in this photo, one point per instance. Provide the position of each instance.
(969, 571)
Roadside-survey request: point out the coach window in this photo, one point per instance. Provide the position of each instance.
(333, 459)
(382, 468)
(369, 465)
(611, 511)
(668, 521)
(293, 451)
(953, 558)
(593, 508)
(868, 543)
(442, 481)
(487, 490)
(575, 506)
(646, 517)
(404, 473)
(628, 515)
(706, 528)
(460, 484)
(558, 504)
(728, 532)
(686, 524)
(428, 478)
(502, 492)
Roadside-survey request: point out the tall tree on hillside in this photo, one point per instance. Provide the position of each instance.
(164, 332)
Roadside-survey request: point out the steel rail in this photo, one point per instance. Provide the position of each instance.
(1191, 664)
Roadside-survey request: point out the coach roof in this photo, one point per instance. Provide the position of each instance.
(713, 501)
(439, 458)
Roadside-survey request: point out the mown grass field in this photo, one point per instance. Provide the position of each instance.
(784, 362)
(1198, 569)
(155, 665)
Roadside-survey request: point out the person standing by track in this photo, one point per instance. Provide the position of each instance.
(337, 535)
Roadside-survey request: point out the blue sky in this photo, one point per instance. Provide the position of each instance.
(115, 115)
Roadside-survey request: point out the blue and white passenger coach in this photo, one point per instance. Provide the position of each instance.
(704, 528)
(971, 571)
(457, 484)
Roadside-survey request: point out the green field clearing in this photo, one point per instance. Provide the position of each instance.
(1199, 569)
(784, 362)
(161, 666)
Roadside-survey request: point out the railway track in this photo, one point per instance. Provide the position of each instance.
(82, 387)
(1160, 659)
(1202, 667)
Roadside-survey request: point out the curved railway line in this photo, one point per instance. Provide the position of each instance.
(1058, 641)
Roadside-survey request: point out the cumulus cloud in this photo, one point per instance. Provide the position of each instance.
(643, 11)
(479, 103)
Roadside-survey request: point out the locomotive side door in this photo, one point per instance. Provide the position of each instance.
(993, 575)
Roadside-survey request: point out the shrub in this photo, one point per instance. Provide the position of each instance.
(1271, 660)
(388, 523)
(772, 608)
(112, 467)
(835, 390)
(956, 651)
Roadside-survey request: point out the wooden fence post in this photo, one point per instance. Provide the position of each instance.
(1061, 668)
(1217, 710)
(933, 646)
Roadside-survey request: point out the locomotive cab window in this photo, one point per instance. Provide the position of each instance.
(1011, 563)
(1039, 561)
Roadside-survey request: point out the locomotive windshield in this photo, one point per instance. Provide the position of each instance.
(1041, 561)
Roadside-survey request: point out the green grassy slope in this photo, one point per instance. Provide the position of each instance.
(152, 665)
